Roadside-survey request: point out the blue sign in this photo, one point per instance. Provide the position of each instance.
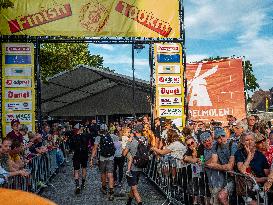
(164, 58)
(17, 59)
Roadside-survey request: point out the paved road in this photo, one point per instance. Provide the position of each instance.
(62, 190)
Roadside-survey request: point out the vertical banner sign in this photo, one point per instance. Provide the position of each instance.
(18, 85)
(169, 82)
(215, 90)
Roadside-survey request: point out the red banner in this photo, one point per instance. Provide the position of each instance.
(215, 90)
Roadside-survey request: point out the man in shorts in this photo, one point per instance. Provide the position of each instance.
(106, 160)
(131, 147)
(79, 144)
(223, 160)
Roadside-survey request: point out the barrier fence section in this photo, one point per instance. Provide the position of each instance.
(196, 184)
(41, 168)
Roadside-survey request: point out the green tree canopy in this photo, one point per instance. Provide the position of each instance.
(251, 83)
(59, 57)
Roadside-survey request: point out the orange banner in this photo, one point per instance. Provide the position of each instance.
(215, 90)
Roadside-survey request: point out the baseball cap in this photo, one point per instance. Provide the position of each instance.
(103, 127)
(219, 132)
(78, 126)
(204, 136)
(14, 121)
(138, 128)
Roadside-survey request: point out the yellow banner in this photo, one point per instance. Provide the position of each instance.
(18, 85)
(115, 18)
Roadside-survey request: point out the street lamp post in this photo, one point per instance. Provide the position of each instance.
(138, 47)
(133, 69)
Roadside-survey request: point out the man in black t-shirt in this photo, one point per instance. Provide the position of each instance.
(79, 145)
(93, 130)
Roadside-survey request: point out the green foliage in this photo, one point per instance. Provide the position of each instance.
(4, 4)
(59, 57)
(250, 79)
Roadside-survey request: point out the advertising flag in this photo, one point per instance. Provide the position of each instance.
(215, 90)
(169, 83)
(114, 18)
(18, 87)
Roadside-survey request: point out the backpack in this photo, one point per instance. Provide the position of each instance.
(107, 147)
(141, 159)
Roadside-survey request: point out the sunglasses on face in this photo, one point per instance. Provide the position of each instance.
(190, 144)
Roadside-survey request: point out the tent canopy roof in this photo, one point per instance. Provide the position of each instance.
(69, 88)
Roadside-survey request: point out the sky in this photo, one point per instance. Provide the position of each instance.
(213, 28)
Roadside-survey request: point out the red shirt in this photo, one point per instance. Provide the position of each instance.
(14, 137)
(269, 154)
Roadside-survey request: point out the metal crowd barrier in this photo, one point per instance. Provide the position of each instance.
(41, 168)
(192, 184)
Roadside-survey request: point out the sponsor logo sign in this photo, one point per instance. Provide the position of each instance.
(17, 59)
(22, 117)
(18, 94)
(17, 48)
(170, 90)
(169, 69)
(168, 48)
(18, 105)
(165, 112)
(22, 83)
(169, 80)
(18, 71)
(170, 101)
(168, 58)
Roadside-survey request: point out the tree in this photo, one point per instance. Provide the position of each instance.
(4, 4)
(251, 83)
(59, 57)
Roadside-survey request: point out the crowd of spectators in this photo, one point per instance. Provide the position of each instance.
(212, 149)
(20, 146)
(218, 154)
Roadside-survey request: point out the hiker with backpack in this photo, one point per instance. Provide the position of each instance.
(223, 160)
(138, 149)
(105, 142)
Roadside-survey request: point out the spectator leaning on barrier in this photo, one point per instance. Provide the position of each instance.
(223, 160)
(215, 178)
(37, 147)
(5, 160)
(173, 151)
(174, 146)
(250, 161)
(106, 162)
(198, 185)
